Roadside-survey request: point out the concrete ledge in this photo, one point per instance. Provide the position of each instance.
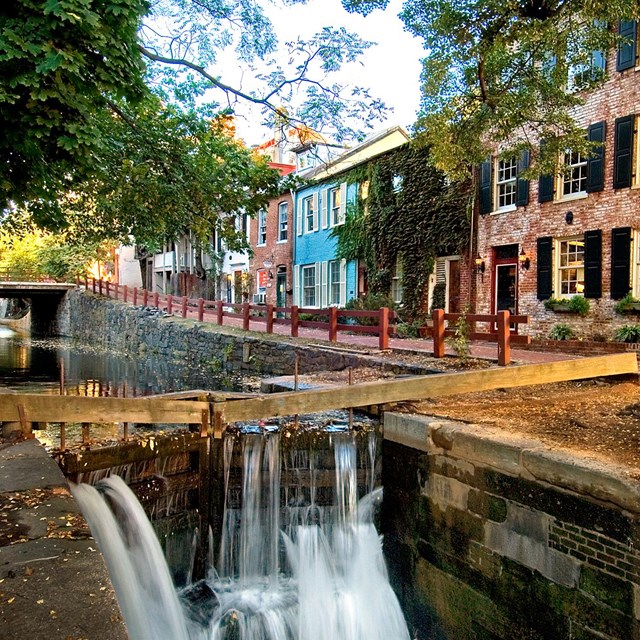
(53, 580)
(515, 456)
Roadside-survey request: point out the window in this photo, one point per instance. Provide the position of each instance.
(573, 180)
(262, 227)
(283, 221)
(570, 266)
(506, 178)
(308, 214)
(261, 280)
(397, 182)
(334, 283)
(501, 187)
(309, 286)
(307, 159)
(334, 207)
(396, 282)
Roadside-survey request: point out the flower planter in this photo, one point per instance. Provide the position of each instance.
(631, 307)
(562, 308)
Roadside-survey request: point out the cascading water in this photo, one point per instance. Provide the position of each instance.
(291, 566)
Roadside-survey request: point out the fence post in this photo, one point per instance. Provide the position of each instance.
(333, 324)
(135, 296)
(169, 303)
(125, 293)
(383, 329)
(77, 281)
(116, 288)
(93, 284)
(200, 309)
(183, 309)
(86, 282)
(145, 297)
(294, 321)
(108, 289)
(100, 286)
(269, 318)
(438, 333)
(219, 312)
(245, 316)
(504, 338)
(156, 300)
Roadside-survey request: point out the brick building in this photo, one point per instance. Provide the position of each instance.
(575, 233)
(271, 238)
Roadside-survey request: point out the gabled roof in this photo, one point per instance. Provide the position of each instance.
(283, 169)
(372, 146)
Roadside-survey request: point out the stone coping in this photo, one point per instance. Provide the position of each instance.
(516, 456)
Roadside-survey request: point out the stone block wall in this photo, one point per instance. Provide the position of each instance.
(497, 538)
(146, 332)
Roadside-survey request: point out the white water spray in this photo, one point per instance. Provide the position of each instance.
(301, 570)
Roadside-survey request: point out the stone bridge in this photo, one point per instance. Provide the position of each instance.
(44, 299)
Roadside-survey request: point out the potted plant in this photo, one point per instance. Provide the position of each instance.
(628, 304)
(575, 304)
(628, 333)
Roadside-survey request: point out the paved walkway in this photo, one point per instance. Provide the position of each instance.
(53, 580)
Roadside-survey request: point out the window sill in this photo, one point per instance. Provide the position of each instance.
(575, 196)
(508, 209)
(281, 241)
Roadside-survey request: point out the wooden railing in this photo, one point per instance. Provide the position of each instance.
(23, 275)
(268, 315)
(500, 331)
(209, 414)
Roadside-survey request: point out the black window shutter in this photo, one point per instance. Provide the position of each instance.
(595, 164)
(626, 59)
(623, 152)
(522, 185)
(593, 264)
(620, 262)
(545, 273)
(486, 188)
(545, 185)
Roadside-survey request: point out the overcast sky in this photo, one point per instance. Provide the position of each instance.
(392, 67)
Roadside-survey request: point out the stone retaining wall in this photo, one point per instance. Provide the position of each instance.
(494, 537)
(148, 332)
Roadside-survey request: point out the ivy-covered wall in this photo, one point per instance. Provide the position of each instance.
(407, 210)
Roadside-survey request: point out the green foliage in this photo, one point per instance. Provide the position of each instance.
(35, 253)
(460, 342)
(439, 296)
(369, 302)
(427, 217)
(61, 64)
(496, 73)
(575, 304)
(628, 333)
(621, 305)
(561, 331)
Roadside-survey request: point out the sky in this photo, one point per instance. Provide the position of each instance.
(391, 69)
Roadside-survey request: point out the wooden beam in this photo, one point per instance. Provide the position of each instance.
(44, 408)
(371, 393)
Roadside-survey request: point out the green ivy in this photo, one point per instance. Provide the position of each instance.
(426, 217)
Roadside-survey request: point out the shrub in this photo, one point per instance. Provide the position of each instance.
(460, 342)
(438, 297)
(561, 331)
(369, 302)
(575, 304)
(628, 333)
(624, 302)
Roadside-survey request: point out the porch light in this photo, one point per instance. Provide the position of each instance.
(524, 260)
(480, 266)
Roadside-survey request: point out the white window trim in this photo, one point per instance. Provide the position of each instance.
(635, 263)
(557, 280)
(286, 208)
(560, 180)
(341, 282)
(396, 279)
(495, 186)
(315, 286)
(262, 217)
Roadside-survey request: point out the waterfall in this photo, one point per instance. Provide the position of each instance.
(295, 562)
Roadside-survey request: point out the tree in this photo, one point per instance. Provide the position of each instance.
(509, 74)
(61, 63)
(69, 67)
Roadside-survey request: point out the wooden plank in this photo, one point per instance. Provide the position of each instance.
(43, 408)
(371, 393)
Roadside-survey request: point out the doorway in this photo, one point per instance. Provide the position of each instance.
(281, 287)
(505, 279)
(453, 286)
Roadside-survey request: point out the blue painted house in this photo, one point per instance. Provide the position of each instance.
(320, 279)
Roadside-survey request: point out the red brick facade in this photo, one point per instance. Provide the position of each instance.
(276, 252)
(602, 210)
